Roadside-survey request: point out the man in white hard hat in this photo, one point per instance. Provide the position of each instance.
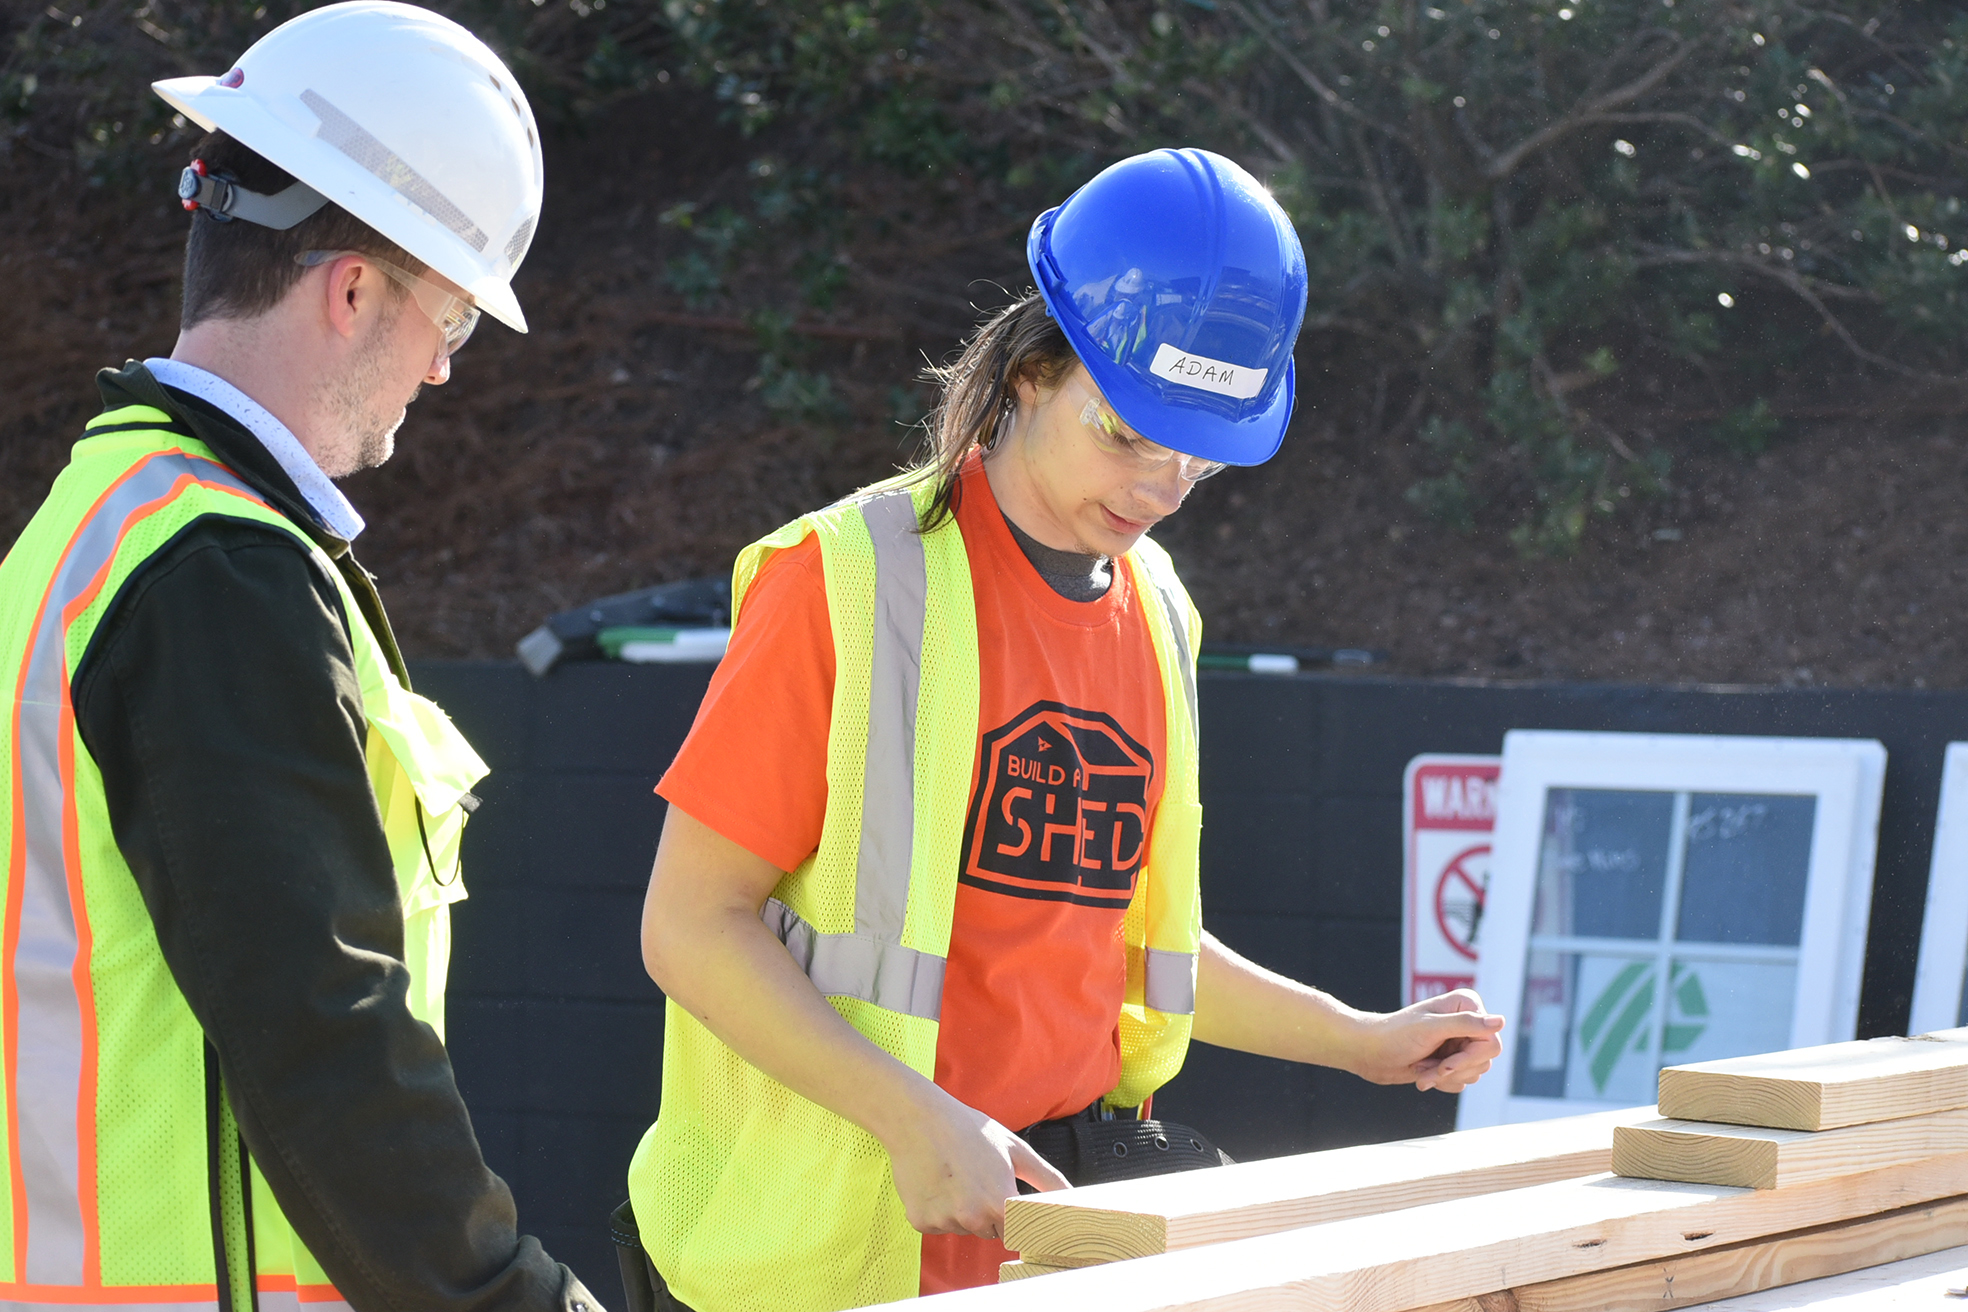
(228, 828)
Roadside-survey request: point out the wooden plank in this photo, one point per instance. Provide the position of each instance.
(1023, 1270)
(1138, 1218)
(1737, 1269)
(1826, 1087)
(1445, 1251)
(1752, 1157)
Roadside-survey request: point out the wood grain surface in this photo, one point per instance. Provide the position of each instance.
(1138, 1218)
(1753, 1157)
(1825, 1087)
(1737, 1269)
(1023, 1270)
(1445, 1251)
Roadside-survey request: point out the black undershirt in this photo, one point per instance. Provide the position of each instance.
(1074, 575)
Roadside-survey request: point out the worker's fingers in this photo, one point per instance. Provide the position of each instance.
(1035, 1170)
(1457, 1081)
(1446, 1032)
(1457, 1065)
(1453, 1000)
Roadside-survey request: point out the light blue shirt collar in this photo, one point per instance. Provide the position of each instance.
(323, 497)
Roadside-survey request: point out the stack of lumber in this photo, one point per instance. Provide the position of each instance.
(1140, 1218)
(1752, 1173)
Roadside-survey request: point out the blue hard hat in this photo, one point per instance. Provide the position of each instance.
(1181, 285)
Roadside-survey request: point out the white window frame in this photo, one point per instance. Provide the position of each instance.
(1937, 980)
(1844, 775)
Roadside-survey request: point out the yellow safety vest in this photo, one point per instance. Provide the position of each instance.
(123, 1165)
(749, 1196)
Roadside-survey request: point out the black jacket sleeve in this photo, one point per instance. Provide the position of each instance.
(220, 700)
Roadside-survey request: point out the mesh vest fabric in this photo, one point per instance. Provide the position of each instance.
(749, 1196)
(110, 1202)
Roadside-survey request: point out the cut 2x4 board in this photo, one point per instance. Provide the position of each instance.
(1657, 899)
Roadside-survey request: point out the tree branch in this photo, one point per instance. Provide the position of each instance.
(1805, 289)
(1503, 165)
(1313, 80)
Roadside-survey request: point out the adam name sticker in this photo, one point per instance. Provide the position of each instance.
(1199, 371)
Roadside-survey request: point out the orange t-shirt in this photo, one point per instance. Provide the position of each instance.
(1072, 740)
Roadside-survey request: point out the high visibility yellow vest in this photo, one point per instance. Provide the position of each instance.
(747, 1195)
(121, 1157)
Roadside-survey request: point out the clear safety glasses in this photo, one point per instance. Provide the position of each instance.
(1112, 435)
(454, 315)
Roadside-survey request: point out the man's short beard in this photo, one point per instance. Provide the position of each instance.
(378, 437)
(367, 421)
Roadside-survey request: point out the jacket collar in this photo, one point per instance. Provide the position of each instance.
(231, 441)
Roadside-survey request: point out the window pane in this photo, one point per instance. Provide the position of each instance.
(1543, 1026)
(1587, 1028)
(1961, 1017)
(1728, 1009)
(1603, 863)
(1749, 856)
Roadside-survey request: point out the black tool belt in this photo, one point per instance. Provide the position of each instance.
(1095, 1146)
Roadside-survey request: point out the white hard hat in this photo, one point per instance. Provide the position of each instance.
(404, 119)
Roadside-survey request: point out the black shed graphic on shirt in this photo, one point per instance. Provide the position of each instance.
(1061, 808)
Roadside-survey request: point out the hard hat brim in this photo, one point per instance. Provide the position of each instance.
(296, 149)
(1251, 440)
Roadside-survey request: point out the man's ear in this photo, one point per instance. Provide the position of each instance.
(351, 294)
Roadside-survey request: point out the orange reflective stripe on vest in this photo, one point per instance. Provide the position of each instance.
(46, 1002)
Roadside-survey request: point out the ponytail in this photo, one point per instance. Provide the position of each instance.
(980, 392)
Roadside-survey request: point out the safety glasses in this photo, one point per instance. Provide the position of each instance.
(454, 315)
(1112, 435)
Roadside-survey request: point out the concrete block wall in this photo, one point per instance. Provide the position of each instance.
(556, 1032)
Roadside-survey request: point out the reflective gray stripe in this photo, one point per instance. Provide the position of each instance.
(49, 1074)
(210, 1305)
(871, 963)
(1169, 982)
(287, 1300)
(1169, 978)
(888, 788)
(875, 970)
(355, 141)
(1179, 631)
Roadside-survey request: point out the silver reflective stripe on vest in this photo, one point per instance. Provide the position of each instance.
(1179, 631)
(209, 1305)
(888, 789)
(871, 963)
(288, 1300)
(1169, 982)
(49, 1074)
(1169, 978)
(880, 971)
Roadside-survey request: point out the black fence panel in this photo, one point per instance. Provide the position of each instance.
(556, 1032)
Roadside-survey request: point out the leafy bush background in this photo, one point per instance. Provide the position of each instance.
(1511, 210)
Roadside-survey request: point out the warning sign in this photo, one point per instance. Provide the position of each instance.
(1448, 810)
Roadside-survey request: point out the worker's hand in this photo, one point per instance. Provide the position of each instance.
(1445, 1042)
(955, 1166)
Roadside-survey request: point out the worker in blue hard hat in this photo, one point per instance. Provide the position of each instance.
(926, 903)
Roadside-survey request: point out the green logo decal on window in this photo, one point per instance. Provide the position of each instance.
(1616, 1023)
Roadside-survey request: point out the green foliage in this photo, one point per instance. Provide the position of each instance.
(1512, 209)
(1748, 429)
(76, 74)
(1500, 199)
(789, 391)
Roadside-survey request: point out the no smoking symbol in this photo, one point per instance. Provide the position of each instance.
(1459, 898)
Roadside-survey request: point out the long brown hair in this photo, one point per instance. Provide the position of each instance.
(980, 392)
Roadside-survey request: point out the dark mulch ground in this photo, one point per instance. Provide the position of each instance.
(615, 447)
